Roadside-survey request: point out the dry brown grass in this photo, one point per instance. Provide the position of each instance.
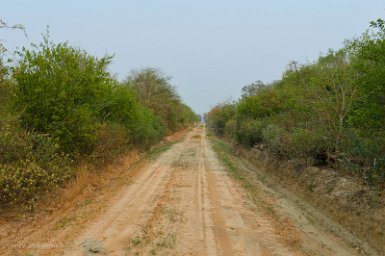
(75, 187)
(87, 178)
(69, 209)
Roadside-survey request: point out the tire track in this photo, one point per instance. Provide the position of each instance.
(186, 204)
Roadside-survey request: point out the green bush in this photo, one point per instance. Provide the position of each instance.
(231, 130)
(30, 164)
(275, 137)
(147, 130)
(59, 89)
(364, 156)
(119, 106)
(63, 106)
(23, 182)
(220, 115)
(154, 91)
(307, 144)
(13, 144)
(330, 111)
(186, 116)
(250, 132)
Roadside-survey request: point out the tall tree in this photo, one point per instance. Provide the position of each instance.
(155, 92)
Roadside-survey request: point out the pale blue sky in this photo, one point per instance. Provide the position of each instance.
(210, 48)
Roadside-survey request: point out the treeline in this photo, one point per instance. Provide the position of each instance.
(330, 112)
(59, 106)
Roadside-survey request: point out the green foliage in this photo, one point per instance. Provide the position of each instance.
(274, 136)
(186, 116)
(30, 164)
(147, 130)
(252, 89)
(61, 106)
(23, 182)
(330, 111)
(231, 130)
(220, 115)
(309, 145)
(250, 132)
(119, 106)
(20, 182)
(154, 91)
(364, 156)
(369, 58)
(58, 91)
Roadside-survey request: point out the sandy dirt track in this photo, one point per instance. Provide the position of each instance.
(183, 203)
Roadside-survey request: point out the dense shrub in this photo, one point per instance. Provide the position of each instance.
(147, 130)
(154, 91)
(250, 132)
(364, 156)
(30, 164)
(58, 91)
(186, 116)
(62, 106)
(330, 111)
(231, 130)
(219, 116)
(275, 137)
(23, 182)
(307, 144)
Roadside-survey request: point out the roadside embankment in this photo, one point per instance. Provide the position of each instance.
(355, 206)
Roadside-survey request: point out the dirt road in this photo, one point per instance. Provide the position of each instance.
(182, 203)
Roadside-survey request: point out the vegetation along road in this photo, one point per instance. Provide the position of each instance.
(185, 202)
(91, 165)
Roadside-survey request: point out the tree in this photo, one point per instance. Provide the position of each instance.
(252, 89)
(154, 91)
(340, 89)
(369, 62)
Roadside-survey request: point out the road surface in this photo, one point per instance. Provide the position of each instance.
(184, 202)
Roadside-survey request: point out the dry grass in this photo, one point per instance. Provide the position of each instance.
(75, 187)
(69, 209)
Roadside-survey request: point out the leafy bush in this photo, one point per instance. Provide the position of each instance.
(231, 130)
(186, 116)
(58, 91)
(330, 111)
(308, 145)
(368, 55)
(63, 106)
(30, 164)
(154, 91)
(23, 182)
(364, 156)
(274, 138)
(250, 132)
(147, 130)
(220, 115)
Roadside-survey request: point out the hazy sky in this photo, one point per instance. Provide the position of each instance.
(211, 48)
